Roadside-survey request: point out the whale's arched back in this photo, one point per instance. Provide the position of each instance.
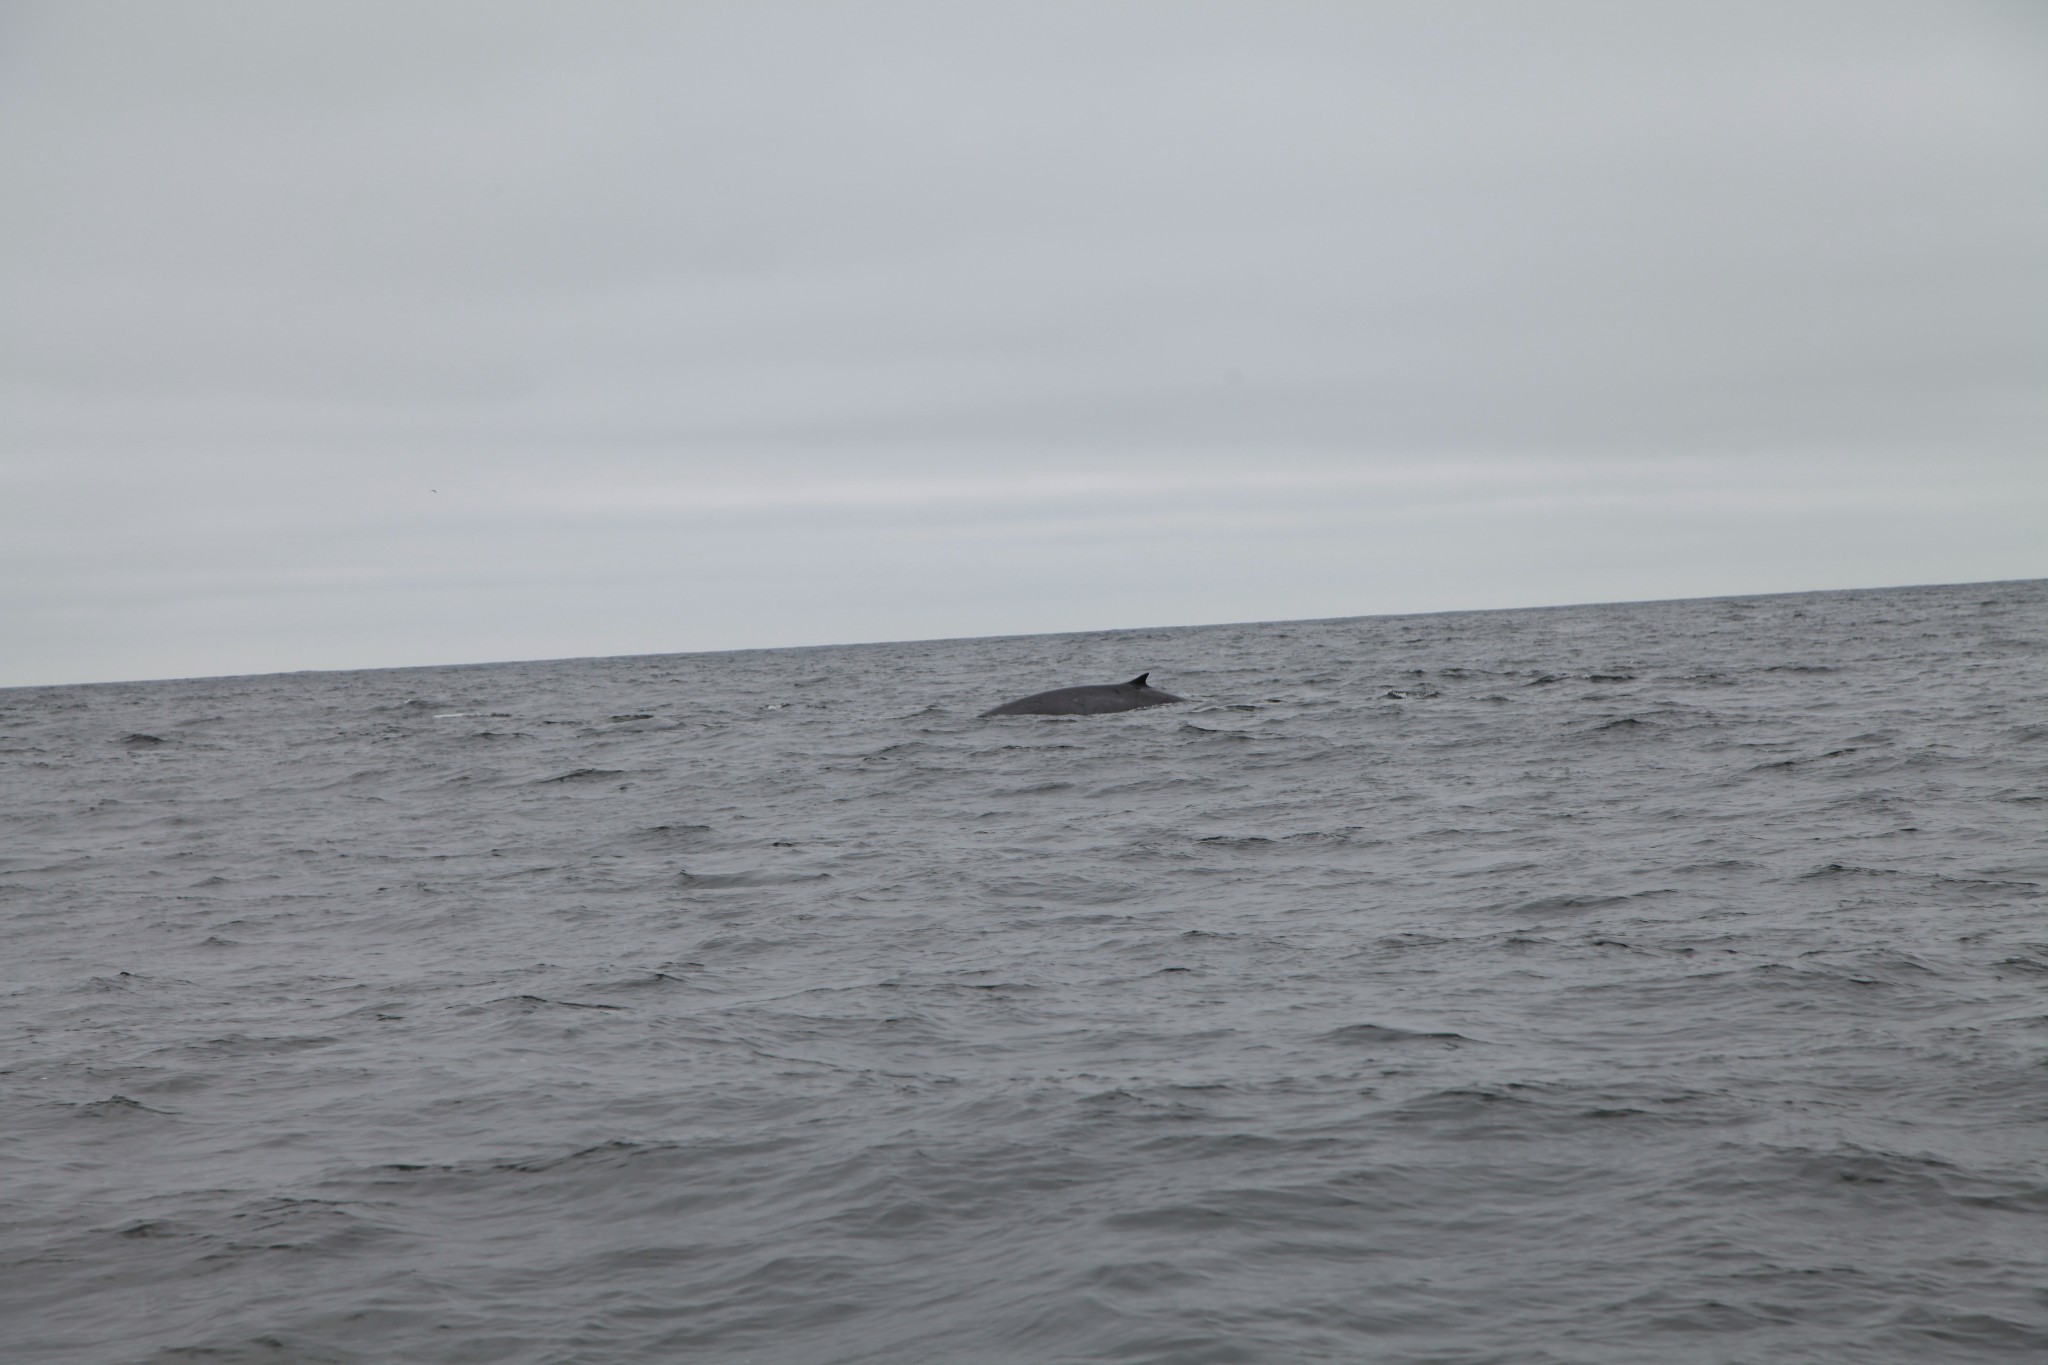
(1098, 700)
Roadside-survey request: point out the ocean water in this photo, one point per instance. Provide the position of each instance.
(1660, 982)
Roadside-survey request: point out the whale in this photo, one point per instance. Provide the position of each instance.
(1099, 700)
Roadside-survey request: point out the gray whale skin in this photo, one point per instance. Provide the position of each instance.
(1134, 695)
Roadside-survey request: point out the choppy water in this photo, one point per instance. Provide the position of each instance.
(1653, 982)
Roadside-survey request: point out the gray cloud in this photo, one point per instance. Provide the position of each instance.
(922, 319)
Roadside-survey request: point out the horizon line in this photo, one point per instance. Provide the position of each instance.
(1019, 635)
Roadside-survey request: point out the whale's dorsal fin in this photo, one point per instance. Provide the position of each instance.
(1138, 681)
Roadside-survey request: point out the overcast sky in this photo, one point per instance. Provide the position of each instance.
(346, 334)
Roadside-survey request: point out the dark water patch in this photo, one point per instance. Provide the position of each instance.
(2012, 1337)
(527, 1004)
(1875, 964)
(133, 981)
(649, 981)
(1466, 1115)
(730, 881)
(1381, 1035)
(115, 1107)
(1832, 871)
(897, 752)
(243, 1045)
(152, 1227)
(1801, 980)
(1993, 888)
(1787, 764)
(1720, 867)
(1569, 905)
(675, 833)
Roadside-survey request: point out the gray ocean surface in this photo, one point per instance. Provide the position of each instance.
(1659, 982)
